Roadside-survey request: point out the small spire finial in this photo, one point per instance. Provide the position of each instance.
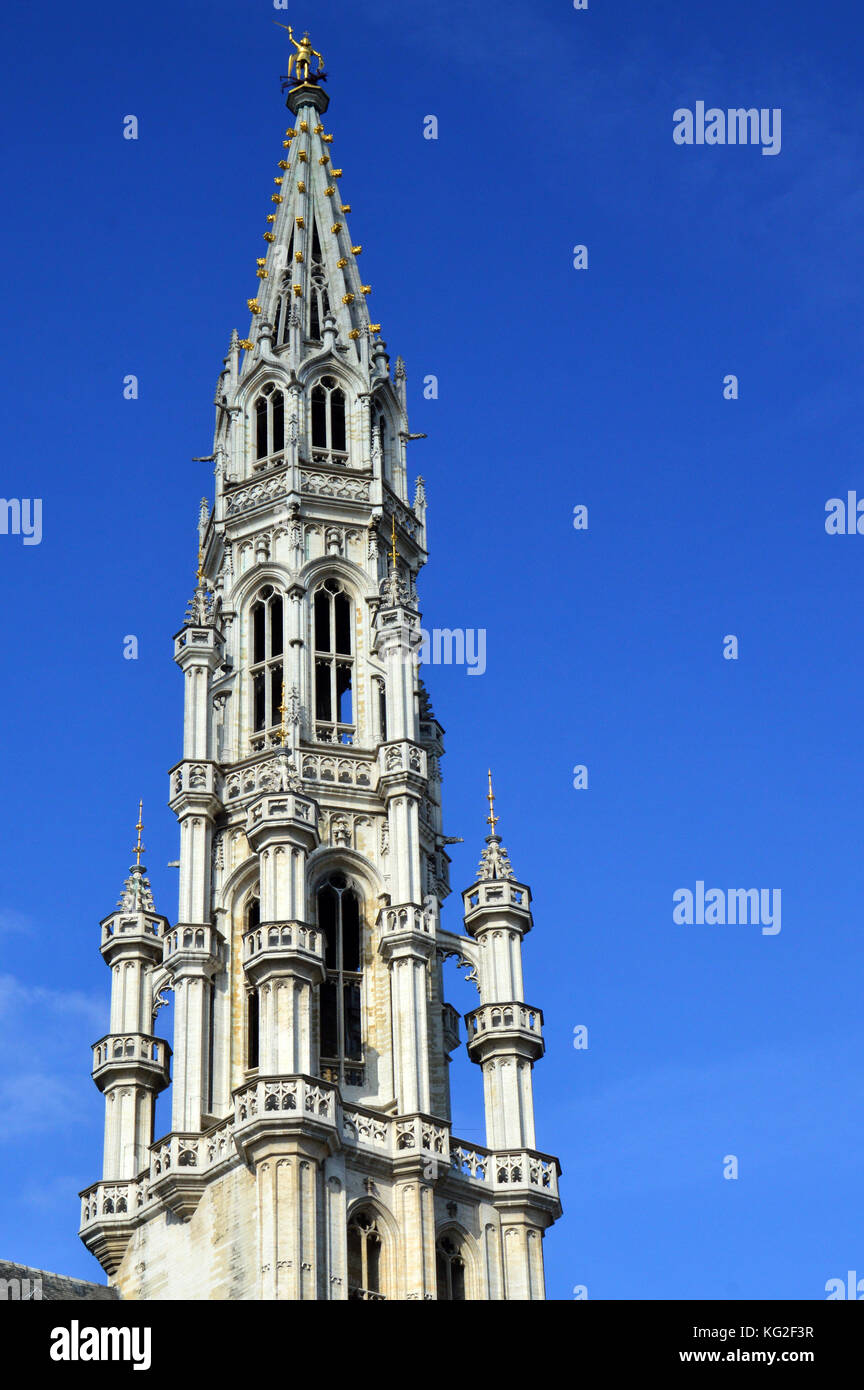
(138, 848)
(283, 710)
(491, 819)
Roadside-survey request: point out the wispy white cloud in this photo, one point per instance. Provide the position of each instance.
(13, 921)
(35, 1102)
(18, 997)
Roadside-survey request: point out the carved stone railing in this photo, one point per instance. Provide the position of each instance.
(421, 1135)
(366, 1129)
(503, 1171)
(400, 761)
(347, 486)
(191, 1159)
(173, 1152)
(273, 949)
(525, 1169)
(137, 1058)
(268, 774)
(261, 493)
(516, 1017)
(111, 1201)
(331, 770)
(406, 917)
(272, 1104)
(203, 938)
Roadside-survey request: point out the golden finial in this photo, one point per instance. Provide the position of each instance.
(138, 848)
(491, 819)
(393, 541)
(283, 710)
(200, 575)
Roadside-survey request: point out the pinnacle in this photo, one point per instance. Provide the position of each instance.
(137, 895)
(495, 860)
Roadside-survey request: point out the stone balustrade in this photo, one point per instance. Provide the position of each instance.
(182, 938)
(406, 917)
(497, 893)
(137, 1057)
(179, 1164)
(513, 1017)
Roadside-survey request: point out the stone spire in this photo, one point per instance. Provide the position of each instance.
(309, 275)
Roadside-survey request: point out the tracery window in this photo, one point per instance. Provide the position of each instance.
(319, 299)
(450, 1271)
(328, 416)
(334, 664)
(341, 1036)
(364, 1257)
(266, 668)
(269, 422)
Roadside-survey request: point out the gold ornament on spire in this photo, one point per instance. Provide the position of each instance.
(393, 542)
(138, 848)
(299, 61)
(491, 820)
(283, 710)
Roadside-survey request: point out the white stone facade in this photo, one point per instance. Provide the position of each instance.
(310, 1154)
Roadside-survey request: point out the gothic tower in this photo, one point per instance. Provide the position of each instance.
(310, 1153)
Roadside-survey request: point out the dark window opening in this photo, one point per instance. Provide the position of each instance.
(334, 674)
(269, 422)
(340, 995)
(267, 673)
(261, 427)
(252, 1029)
(450, 1271)
(319, 417)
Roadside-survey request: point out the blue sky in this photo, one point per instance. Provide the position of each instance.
(605, 647)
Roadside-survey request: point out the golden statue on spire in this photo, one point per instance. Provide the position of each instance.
(300, 60)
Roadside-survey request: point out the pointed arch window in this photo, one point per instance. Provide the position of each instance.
(341, 1034)
(364, 1257)
(269, 422)
(319, 299)
(334, 664)
(252, 918)
(267, 637)
(328, 421)
(450, 1271)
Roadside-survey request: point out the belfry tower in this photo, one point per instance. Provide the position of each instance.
(310, 1153)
